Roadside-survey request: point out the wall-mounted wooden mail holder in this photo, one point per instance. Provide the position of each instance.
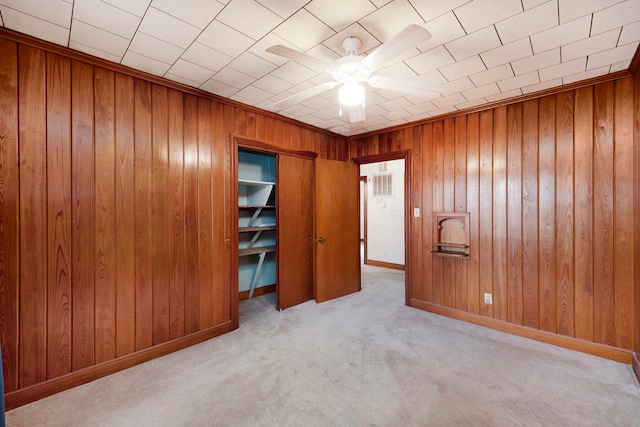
(451, 234)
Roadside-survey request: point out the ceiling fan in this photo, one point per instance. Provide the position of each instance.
(350, 71)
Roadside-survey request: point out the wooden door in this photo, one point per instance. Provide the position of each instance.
(337, 260)
(295, 231)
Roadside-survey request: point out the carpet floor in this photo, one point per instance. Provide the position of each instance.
(362, 360)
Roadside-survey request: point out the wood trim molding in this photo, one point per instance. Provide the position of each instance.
(634, 67)
(384, 264)
(257, 144)
(376, 158)
(112, 66)
(262, 290)
(534, 95)
(601, 350)
(73, 379)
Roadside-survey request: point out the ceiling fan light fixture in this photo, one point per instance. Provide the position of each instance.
(351, 94)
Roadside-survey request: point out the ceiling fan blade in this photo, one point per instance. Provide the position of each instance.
(300, 57)
(305, 94)
(356, 114)
(409, 38)
(404, 86)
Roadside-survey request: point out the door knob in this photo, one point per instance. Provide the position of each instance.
(320, 239)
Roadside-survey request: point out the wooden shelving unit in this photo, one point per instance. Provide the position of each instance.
(451, 235)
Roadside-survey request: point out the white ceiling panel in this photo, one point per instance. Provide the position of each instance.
(480, 50)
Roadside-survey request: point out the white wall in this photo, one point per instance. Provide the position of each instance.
(385, 216)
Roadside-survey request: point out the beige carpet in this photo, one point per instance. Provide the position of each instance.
(362, 360)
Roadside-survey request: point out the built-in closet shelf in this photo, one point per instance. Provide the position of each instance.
(450, 254)
(251, 207)
(450, 245)
(256, 250)
(252, 182)
(256, 228)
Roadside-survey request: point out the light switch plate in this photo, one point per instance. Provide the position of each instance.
(416, 212)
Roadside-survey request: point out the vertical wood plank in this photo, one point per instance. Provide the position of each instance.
(500, 218)
(448, 205)
(437, 185)
(177, 218)
(530, 213)
(486, 207)
(83, 215)
(460, 205)
(564, 222)
(473, 207)
(33, 216)
(417, 233)
(546, 214)
(59, 215)
(205, 212)
(124, 214)
(160, 216)
(191, 307)
(623, 214)
(260, 127)
(9, 211)
(105, 255)
(583, 223)
(427, 200)
(603, 198)
(514, 213)
(143, 215)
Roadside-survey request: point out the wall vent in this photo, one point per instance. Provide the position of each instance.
(383, 185)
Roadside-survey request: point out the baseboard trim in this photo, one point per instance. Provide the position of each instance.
(595, 349)
(384, 264)
(41, 390)
(636, 365)
(262, 290)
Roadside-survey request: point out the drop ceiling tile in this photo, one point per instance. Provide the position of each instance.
(163, 26)
(99, 39)
(448, 101)
(471, 104)
(198, 13)
(218, 88)
(590, 45)
(396, 115)
(318, 103)
(529, 4)
(430, 60)
(612, 56)
(283, 8)
(504, 95)
(93, 51)
(260, 48)
(573, 9)
(327, 113)
(155, 48)
(293, 73)
(474, 43)
(399, 70)
(620, 14)
(563, 69)
(529, 22)
(57, 12)
(191, 71)
(136, 7)
(620, 66)
(561, 35)
(36, 27)
(536, 62)
(249, 17)
(107, 17)
(596, 72)
(304, 30)
(334, 43)
(390, 19)
(395, 104)
(630, 33)
(432, 9)
(233, 77)
(252, 65)
(272, 84)
(207, 57)
(298, 110)
(481, 91)
(251, 94)
(183, 80)
(519, 81)
(339, 14)
(481, 13)
(507, 53)
(224, 39)
(443, 29)
(542, 86)
(492, 75)
(459, 85)
(144, 63)
(463, 68)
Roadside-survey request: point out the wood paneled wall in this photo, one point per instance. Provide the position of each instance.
(114, 211)
(549, 184)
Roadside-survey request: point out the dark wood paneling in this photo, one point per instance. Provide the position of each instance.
(9, 211)
(473, 207)
(514, 214)
(485, 212)
(500, 289)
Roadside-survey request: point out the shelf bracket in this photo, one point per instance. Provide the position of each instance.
(254, 282)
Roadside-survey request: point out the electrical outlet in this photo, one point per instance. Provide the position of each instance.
(488, 298)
